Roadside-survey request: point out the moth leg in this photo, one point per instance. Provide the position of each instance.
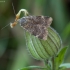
(22, 10)
(18, 16)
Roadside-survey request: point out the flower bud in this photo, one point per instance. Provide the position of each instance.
(44, 49)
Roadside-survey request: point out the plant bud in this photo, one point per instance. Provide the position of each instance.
(43, 49)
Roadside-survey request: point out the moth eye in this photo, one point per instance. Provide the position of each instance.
(22, 21)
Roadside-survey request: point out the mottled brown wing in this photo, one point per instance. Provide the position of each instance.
(36, 25)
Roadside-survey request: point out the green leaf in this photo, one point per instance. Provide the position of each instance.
(62, 68)
(66, 32)
(67, 65)
(60, 57)
(33, 67)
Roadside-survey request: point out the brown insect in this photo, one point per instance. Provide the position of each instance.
(36, 25)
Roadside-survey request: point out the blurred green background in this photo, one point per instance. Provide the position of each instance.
(13, 51)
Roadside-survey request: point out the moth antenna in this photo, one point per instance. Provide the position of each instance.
(13, 8)
(5, 26)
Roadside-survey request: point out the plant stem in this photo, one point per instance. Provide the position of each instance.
(53, 64)
(47, 65)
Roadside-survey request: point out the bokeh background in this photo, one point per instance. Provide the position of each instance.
(13, 51)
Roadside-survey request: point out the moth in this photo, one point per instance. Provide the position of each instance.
(36, 25)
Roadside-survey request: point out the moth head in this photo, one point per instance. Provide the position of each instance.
(13, 24)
